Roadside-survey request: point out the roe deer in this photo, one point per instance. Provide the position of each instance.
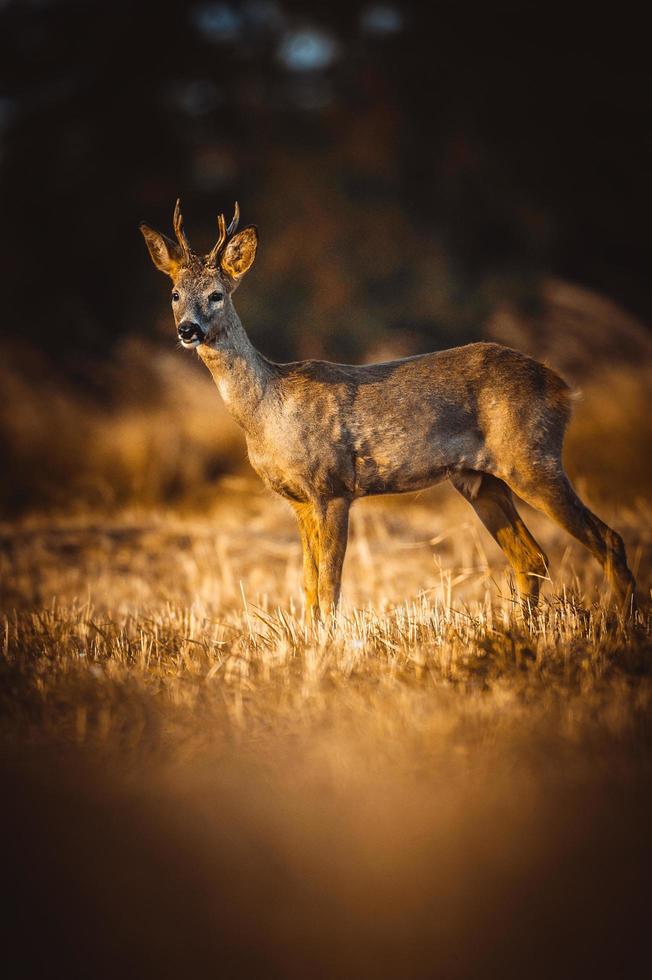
(486, 417)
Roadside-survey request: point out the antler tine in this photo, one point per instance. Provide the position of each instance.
(177, 222)
(219, 244)
(236, 219)
(221, 224)
(225, 233)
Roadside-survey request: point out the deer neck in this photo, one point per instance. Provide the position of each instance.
(240, 372)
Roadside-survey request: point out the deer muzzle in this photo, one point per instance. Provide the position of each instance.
(190, 333)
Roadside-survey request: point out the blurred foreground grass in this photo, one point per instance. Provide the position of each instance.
(198, 783)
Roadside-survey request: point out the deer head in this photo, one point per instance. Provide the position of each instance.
(202, 285)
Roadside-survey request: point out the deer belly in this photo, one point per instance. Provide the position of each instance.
(405, 460)
(376, 475)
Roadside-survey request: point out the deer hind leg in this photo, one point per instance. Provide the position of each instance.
(552, 493)
(309, 531)
(333, 520)
(492, 501)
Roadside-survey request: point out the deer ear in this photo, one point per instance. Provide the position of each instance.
(166, 255)
(238, 256)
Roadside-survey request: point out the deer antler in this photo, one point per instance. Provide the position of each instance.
(177, 222)
(225, 234)
(231, 230)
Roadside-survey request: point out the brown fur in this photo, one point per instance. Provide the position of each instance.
(487, 417)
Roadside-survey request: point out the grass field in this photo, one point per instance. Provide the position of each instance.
(197, 782)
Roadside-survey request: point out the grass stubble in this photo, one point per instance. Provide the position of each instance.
(199, 782)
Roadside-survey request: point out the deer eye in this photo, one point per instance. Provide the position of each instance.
(175, 297)
(215, 297)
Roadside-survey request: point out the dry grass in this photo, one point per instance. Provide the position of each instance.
(434, 786)
(147, 427)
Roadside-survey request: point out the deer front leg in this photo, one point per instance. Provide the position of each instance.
(309, 531)
(333, 521)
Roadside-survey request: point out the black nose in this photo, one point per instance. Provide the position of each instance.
(188, 330)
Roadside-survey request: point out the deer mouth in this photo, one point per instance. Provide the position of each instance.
(195, 342)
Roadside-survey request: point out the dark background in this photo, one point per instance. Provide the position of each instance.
(405, 163)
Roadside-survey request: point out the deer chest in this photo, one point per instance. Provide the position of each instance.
(303, 468)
